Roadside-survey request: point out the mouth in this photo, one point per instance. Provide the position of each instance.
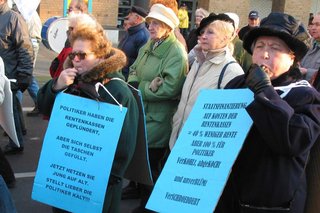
(266, 69)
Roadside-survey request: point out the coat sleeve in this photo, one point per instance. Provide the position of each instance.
(289, 126)
(46, 98)
(23, 46)
(173, 76)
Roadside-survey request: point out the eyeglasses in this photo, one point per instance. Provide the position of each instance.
(80, 55)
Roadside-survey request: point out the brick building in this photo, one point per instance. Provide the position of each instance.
(109, 12)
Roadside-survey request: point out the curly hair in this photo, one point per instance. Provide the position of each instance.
(172, 4)
(89, 29)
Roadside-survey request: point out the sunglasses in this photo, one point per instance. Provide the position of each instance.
(80, 55)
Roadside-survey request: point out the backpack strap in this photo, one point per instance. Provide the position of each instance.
(222, 73)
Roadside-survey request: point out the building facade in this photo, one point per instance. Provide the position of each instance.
(110, 13)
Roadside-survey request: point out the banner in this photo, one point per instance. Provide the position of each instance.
(6, 108)
(27, 8)
(77, 153)
(200, 162)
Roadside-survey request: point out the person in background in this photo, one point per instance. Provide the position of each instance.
(286, 122)
(92, 60)
(310, 30)
(184, 20)
(75, 7)
(253, 22)
(137, 35)
(173, 5)
(17, 54)
(310, 63)
(213, 67)
(159, 72)
(34, 28)
(239, 53)
(192, 39)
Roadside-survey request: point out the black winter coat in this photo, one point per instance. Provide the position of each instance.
(269, 173)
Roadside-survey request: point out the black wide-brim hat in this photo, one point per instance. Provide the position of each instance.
(283, 26)
(211, 18)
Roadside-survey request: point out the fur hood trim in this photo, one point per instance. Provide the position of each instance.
(112, 63)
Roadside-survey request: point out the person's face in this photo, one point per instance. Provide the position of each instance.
(2, 2)
(310, 30)
(273, 54)
(131, 20)
(211, 38)
(82, 48)
(199, 17)
(157, 29)
(315, 28)
(73, 8)
(253, 22)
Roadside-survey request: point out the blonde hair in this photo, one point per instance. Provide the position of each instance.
(225, 31)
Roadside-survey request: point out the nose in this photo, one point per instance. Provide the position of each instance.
(76, 58)
(266, 55)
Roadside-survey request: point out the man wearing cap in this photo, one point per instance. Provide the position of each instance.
(253, 21)
(137, 35)
(269, 173)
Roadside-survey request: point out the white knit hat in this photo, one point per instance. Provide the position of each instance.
(235, 19)
(164, 14)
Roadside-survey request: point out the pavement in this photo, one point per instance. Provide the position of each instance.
(25, 164)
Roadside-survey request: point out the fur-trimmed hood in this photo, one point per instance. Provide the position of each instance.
(112, 63)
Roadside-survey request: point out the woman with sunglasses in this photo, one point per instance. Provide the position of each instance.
(92, 60)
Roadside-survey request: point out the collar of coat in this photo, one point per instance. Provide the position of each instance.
(214, 56)
(163, 48)
(112, 63)
(134, 29)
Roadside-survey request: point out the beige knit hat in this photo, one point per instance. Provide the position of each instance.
(163, 14)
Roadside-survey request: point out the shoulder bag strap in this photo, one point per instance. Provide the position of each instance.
(222, 73)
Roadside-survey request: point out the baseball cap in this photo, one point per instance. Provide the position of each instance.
(253, 14)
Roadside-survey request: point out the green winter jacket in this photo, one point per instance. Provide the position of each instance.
(169, 62)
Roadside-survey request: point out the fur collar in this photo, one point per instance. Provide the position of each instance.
(112, 63)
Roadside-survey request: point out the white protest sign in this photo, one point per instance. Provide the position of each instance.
(6, 108)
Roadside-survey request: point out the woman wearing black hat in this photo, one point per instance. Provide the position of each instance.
(213, 68)
(269, 173)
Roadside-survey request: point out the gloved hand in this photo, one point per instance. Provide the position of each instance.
(23, 81)
(155, 84)
(257, 79)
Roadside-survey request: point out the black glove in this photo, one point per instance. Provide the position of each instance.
(23, 81)
(257, 79)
